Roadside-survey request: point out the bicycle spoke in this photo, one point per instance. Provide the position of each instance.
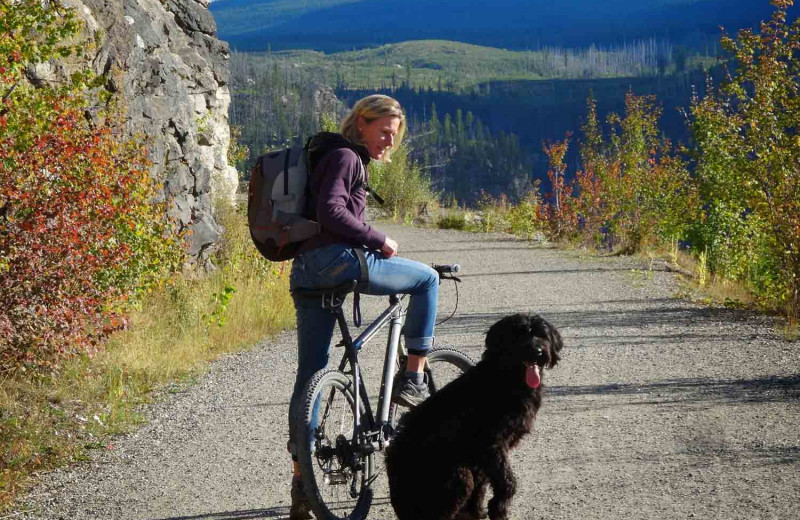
(335, 472)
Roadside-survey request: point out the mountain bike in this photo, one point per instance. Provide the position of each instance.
(339, 435)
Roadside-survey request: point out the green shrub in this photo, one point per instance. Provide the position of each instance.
(401, 183)
(559, 214)
(452, 220)
(524, 218)
(747, 155)
(633, 190)
(176, 331)
(493, 213)
(79, 234)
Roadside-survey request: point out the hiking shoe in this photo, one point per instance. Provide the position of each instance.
(300, 509)
(407, 393)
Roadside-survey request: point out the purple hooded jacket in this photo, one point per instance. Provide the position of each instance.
(338, 201)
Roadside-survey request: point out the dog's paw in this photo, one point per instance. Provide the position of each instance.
(471, 515)
(498, 509)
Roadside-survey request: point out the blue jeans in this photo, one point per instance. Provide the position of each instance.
(335, 264)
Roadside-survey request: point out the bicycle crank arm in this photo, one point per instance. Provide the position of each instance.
(368, 448)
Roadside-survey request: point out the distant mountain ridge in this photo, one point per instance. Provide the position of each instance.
(334, 25)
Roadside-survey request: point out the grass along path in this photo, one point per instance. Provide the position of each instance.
(49, 420)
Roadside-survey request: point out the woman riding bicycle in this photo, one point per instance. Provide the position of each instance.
(371, 130)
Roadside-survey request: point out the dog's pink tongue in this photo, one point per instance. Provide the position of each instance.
(532, 377)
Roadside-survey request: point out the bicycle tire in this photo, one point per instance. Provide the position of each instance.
(443, 365)
(439, 356)
(326, 467)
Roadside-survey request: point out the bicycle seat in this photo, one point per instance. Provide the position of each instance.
(337, 292)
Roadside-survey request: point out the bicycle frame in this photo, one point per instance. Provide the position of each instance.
(333, 456)
(394, 315)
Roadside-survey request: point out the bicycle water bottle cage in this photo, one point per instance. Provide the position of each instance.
(331, 297)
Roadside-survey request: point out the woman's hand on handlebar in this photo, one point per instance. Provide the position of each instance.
(389, 248)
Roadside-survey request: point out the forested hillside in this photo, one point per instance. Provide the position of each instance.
(539, 111)
(455, 149)
(507, 101)
(335, 25)
(645, 144)
(524, 97)
(460, 67)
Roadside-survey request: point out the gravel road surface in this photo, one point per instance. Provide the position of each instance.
(660, 409)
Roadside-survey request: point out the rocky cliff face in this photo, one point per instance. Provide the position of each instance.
(171, 73)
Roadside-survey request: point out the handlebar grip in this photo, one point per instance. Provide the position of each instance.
(447, 268)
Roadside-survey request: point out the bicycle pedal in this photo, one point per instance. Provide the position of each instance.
(335, 478)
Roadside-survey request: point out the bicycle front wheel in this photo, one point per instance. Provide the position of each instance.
(337, 478)
(443, 365)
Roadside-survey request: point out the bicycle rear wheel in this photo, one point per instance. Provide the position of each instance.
(336, 478)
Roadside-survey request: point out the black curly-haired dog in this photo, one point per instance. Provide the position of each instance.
(457, 442)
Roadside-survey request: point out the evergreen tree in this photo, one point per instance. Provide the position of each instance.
(479, 131)
(461, 135)
(435, 126)
(448, 129)
(681, 57)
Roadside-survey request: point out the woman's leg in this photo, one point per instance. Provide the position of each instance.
(314, 333)
(319, 268)
(403, 276)
(324, 267)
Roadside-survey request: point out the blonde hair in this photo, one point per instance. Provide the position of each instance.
(371, 108)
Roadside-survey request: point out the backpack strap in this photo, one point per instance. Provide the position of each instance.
(286, 171)
(362, 181)
(363, 285)
(362, 173)
(375, 196)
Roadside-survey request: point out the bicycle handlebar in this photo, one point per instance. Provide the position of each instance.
(446, 268)
(446, 273)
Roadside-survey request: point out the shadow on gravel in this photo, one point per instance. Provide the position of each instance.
(549, 271)
(780, 454)
(269, 512)
(751, 455)
(490, 239)
(691, 391)
(677, 315)
(655, 340)
(257, 405)
(470, 247)
(273, 512)
(625, 313)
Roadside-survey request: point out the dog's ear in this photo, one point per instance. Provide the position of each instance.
(508, 331)
(550, 336)
(510, 340)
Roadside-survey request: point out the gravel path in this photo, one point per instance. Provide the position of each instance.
(660, 409)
